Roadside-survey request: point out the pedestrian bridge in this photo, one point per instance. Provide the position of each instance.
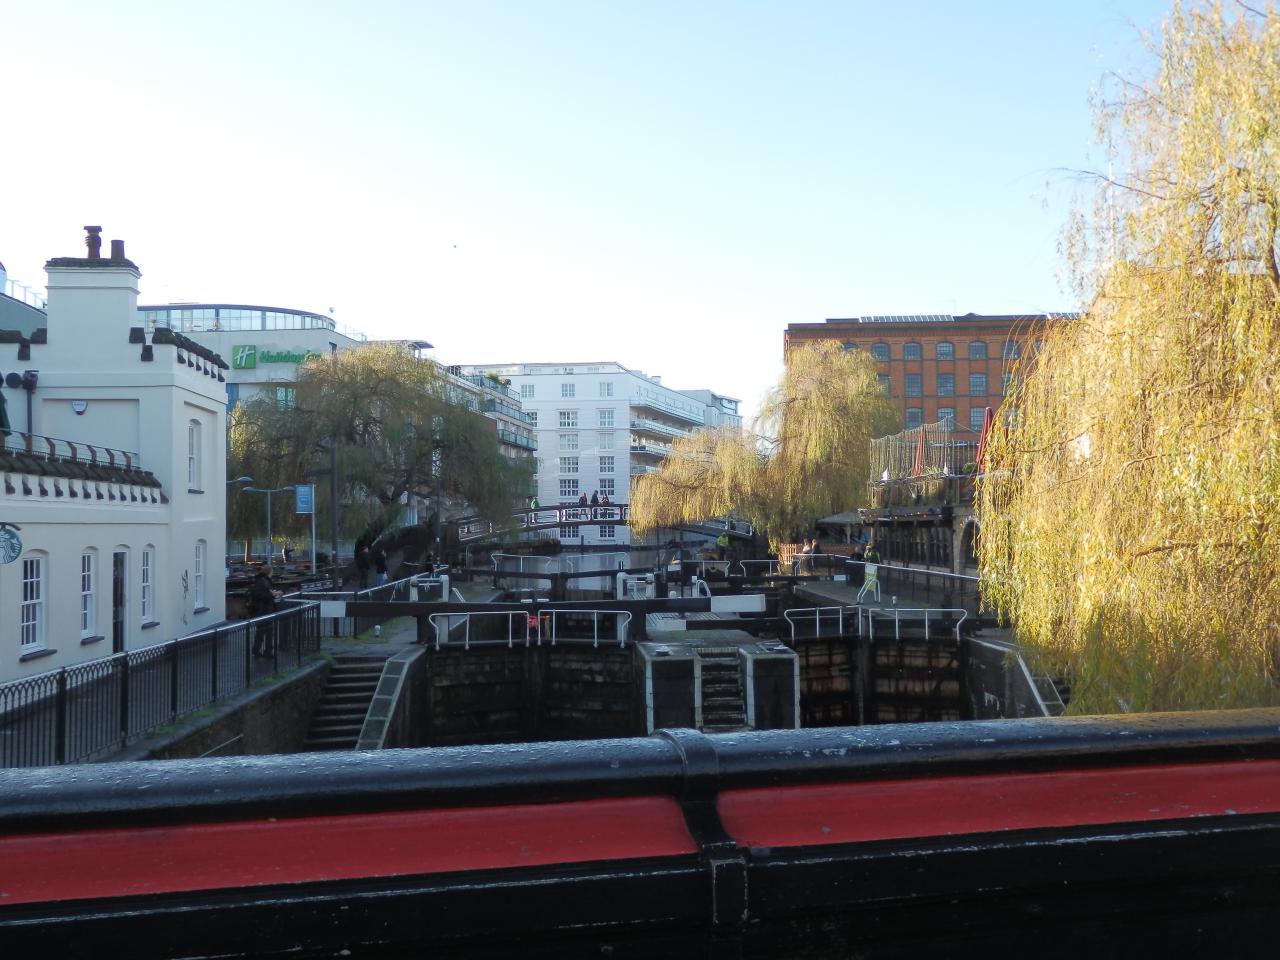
(551, 517)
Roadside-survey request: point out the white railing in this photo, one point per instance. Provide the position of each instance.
(804, 614)
(620, 625)
(895, 615)
(527, 622)
(770, 566)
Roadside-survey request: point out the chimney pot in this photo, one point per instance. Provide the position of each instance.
(94, 242)
(117, 249)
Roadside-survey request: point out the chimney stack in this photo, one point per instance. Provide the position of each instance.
(117, 249)
(94, 242)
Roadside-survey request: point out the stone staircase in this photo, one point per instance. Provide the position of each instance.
(344, 704)
(723, 707)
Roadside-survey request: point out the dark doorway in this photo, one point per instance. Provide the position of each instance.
(119, 578)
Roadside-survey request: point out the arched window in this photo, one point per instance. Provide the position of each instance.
(33, 616)
(977, 350)
(148, 584)
(198, 576)
(911, 350)
(193, 455)
(88, 593)
(880, 351)
(944, 350)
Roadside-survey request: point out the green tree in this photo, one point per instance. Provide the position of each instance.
(401, 429)
(1130, 524)
(807, 457)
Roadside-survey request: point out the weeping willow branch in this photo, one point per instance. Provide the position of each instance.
(807, 458)
(1127, 528)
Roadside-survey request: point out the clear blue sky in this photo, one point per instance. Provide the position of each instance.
(667, 185)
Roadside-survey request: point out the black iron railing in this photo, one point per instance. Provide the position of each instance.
(88, 710)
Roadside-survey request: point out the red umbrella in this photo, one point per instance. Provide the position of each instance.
(987, 417)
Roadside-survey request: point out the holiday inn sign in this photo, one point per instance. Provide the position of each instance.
(247, 357)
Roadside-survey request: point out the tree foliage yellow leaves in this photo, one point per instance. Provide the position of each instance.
(808, 457)
(1130, 524)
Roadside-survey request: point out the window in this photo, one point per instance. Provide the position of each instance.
(606, 464)
(233, 396)
(568, 418)
(911, 350)
(193, 455)
(1006, 379)
(912, 385)
(197, 579)
(606, 389)
(568, 489)
(1010, 350)
(148, 585)
(977, 350)
(848, 346)
(605, 418)
(568, 533)
(880, 351)
(566, 391)
(568, 441)
(606, 487)
(87, 569)
(606, 531)
(32, 617)
(526, 391)
(947, 418)
(605, 440)
(944, 350)
(975, 418)
(977, 384)
(568, 464)
(883, 380)
(533, 418)
(914, 418)
(946, 384)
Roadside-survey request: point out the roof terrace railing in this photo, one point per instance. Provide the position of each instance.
(53, 449)
(930, 451)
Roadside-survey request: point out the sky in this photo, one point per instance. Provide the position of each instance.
(665, 185)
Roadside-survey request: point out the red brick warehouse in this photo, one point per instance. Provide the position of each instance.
(935, 366)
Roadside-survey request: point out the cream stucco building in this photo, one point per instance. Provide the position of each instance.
(113, 501)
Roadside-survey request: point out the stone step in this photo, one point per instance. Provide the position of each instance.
(329, 743)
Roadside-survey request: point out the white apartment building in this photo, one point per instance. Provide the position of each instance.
(112, 476)
(599, 425)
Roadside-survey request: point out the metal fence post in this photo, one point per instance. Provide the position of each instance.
(173, 680)
(248, 659)
(60, 719)
(124, 699)
(213, 672)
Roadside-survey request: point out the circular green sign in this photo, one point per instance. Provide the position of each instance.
(10, 545)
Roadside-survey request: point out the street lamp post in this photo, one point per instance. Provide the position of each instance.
(268, 493)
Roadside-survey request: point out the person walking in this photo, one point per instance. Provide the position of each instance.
(262, 600)
(595, 498)
(362, 566)
(870, 576)
(380, 565)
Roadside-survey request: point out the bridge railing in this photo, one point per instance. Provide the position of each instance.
(83, 711)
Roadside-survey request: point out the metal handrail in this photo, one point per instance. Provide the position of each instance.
(55, 449)
(771, 566)
(620, 626)
(465, 619)
(897, 620)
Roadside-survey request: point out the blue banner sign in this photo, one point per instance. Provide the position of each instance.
(305, 498)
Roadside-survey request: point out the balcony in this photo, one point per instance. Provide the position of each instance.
(36, 466)
(501, 407)
(487, 383)
(690, 412)
(641, 469)
(650, 449)
(654, 428)
(513, 439)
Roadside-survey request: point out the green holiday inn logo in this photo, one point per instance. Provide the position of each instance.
(247, 356)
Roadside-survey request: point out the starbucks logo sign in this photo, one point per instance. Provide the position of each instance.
(10, 544)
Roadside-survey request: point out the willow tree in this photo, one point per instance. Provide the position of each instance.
(1131, 521)
(807, 457)
(397, 427)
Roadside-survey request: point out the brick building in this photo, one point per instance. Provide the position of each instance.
(936, 366)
